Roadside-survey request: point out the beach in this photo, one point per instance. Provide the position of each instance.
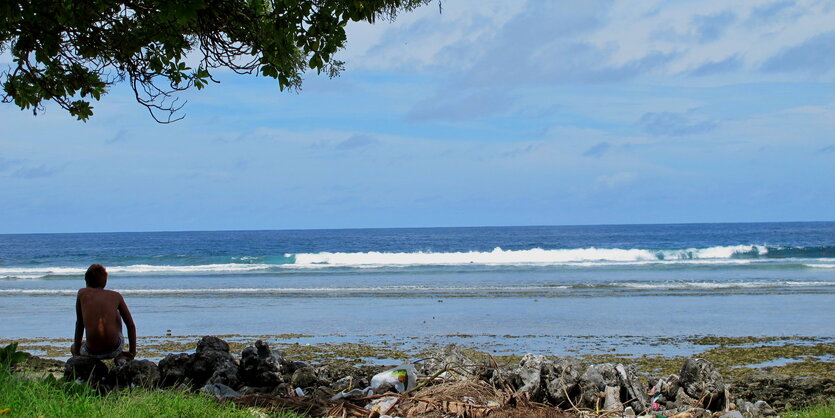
(748, 296)
(757, 374)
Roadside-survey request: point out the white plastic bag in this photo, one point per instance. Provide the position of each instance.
(399, 379)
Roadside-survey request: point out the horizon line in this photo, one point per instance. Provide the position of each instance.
(415, 227)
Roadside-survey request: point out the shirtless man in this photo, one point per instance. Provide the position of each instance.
(100, 312)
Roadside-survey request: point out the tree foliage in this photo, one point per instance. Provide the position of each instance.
(72, 51)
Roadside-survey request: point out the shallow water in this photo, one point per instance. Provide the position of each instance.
(545, 290)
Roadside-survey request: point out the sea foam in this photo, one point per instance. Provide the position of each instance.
(536, 256)
(575, 257)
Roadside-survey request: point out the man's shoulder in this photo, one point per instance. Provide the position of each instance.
(107, 293)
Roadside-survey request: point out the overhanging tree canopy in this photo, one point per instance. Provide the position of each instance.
(70, 51)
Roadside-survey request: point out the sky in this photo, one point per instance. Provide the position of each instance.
(479, 112)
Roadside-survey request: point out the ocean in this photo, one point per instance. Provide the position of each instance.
(536, 288)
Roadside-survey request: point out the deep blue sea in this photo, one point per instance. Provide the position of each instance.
(627, 280)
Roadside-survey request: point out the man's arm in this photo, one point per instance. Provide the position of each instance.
(125, 312)
(79, 328)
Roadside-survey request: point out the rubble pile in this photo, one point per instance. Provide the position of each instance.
(446, 383)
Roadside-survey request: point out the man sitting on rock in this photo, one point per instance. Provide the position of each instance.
(100, 312)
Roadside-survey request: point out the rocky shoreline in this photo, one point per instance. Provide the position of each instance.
(454, 380)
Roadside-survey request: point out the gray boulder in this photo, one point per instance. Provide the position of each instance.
(614, 379)
(593, 384)
(292, 366)
(144, 373)
(260, 366)
(211, 343)
(304, 377)
(173, 369)
(449, 355)
(611, 401)
(531, 374)
(212, 363)
(682, 399)
(225, 372)
(701, 381)
(748, 409)
(668, 386)
(633, 388)
(562, 381)
(220, 391)
(92, 371)
(765, 408)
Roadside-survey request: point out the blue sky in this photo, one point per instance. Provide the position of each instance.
(490, 113)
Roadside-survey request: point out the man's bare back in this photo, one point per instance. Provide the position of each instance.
(99, 314)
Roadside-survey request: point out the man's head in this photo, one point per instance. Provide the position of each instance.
(96, 276)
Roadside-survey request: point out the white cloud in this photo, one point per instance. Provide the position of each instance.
(605, 39)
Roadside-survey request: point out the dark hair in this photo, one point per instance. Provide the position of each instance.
(96, 276)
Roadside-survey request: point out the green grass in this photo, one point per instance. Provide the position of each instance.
(54, 398)
(818, 411)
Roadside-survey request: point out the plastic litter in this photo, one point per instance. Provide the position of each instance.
(299, 392)
(400, 379)
(353, 393)
(656, 406)
(382, 405)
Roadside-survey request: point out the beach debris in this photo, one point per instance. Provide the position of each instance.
(133, 373)
(382, 405)
(353, 394)
(656, 402)
(260, 366)
(399, 379)
(536, 386)
(343, 384)
(667, 387)
(220, 391)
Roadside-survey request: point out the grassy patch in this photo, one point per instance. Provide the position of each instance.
(55, 398)
(817, 411)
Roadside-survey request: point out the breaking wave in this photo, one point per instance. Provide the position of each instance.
(815, 257)
(536, 256)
